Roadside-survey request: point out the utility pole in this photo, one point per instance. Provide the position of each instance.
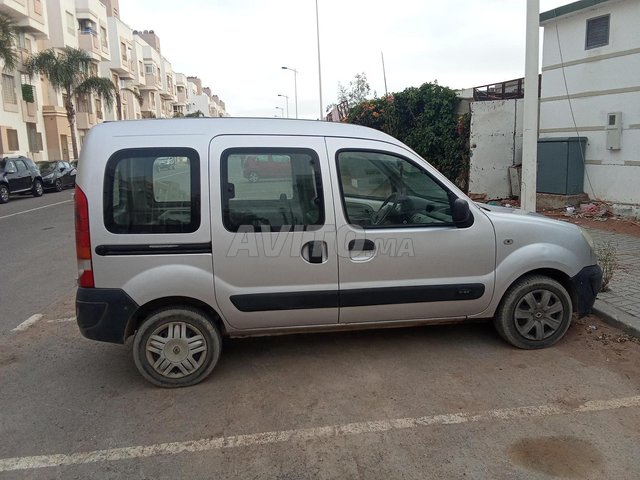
(531, 105)
(319, 69)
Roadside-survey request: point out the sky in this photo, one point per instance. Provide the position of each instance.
(238, 47)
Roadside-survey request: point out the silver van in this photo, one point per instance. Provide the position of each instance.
(344, 228)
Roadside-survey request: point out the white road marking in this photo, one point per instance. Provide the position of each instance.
(62, 320)
(305, 434)
(27, 323)
(37, 208)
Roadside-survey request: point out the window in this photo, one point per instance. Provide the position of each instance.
(9, 89)
(37, 6)
(597, 32)
(71, 23)
(149, 69)
(384, 190)
(12, 140)
(271, 190)
(34, 137)
(99, 108)
(103, 37)
(152, 190)
(123, 51)
(141, 67)
(21, 166)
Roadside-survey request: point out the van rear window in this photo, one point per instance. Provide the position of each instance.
(152, 190)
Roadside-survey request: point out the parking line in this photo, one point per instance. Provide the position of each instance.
(306, 434)
(62, 320)
(27, 323)
(37, 208)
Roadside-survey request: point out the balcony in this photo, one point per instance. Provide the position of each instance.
(85, 120)
(16, 9)
(88, 40)
(29, 111)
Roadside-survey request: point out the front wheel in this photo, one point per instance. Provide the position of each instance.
(253, 177)
(4, 193)
(58, 185)
(37, 189)
(534, 313)
(176, 347)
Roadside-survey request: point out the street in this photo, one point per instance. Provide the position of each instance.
(432, 402)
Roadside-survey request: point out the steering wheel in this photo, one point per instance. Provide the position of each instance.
(384, 211)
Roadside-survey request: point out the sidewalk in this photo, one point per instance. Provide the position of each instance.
(620, 306)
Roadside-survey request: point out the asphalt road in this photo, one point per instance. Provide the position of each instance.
(432, 402)
(37, 245)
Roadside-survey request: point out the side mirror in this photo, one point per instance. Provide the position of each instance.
(461, 214)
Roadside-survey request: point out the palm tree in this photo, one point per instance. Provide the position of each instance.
(8, 53)
(68, 71)
(118, 94)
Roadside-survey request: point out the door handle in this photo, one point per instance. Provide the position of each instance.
(314, 251)
(361, 245)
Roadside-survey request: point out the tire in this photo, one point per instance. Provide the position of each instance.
(253, 177)
(534, 313)
(184, 361)
(37, 189)
(58, 185)
(4, 193)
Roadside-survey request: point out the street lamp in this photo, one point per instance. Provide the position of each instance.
(285, 96)
(295, 85)
(281, 111)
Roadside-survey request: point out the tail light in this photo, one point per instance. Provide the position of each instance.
(83, 241)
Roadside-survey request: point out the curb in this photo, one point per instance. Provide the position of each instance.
(617, 318)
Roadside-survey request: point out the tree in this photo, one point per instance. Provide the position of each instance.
(8, 33)
(68, 71)
(118, 95)
(357, 91)
(195, 114)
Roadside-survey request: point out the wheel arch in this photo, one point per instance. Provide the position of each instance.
(176, 301)
(557, 275)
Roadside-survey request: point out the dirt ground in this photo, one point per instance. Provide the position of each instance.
(610, 224)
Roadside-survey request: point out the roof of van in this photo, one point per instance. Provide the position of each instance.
(238, 126)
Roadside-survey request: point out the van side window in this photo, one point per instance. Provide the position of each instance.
(384, 190)
(267, 190)
(152, 190)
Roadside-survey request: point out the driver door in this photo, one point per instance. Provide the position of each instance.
(401, 257)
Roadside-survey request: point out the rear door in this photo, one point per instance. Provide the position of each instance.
(274, 241)
(400, 255)
(24, 175)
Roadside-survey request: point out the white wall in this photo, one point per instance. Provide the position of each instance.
(496, 144)
(599, 81)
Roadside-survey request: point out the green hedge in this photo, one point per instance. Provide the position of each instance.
(425, 119)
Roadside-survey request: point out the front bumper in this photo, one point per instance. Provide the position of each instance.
(586, 285)
(103, 314)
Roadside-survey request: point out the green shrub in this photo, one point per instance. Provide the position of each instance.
(425, 119)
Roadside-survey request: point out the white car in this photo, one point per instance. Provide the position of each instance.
(357, 232)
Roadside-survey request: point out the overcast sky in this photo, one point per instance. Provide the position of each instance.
(237, 47)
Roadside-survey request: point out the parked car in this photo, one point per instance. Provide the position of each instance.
(57, 174)
(166, 164)
(360, 233)
(19, 175)
(256, 167)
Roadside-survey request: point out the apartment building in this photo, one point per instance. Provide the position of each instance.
(21, 121)
(33, 119)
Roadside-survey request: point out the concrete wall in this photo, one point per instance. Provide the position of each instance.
(599, 81)
(496, 144)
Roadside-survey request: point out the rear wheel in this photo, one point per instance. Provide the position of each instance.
(253, 177)
(4, 193)
(176, 347)
(534, 313)
(37, 188)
